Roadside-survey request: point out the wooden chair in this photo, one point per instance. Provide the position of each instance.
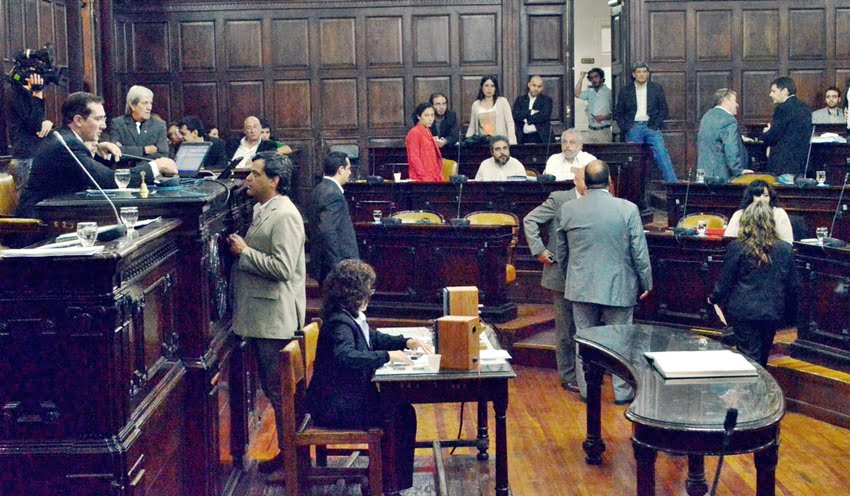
(299, 435)
(450, 168)
(8, 205)
(748, 178)
(8, 196)
(418, 217)
(500, 219)
(308, 339)
(713, 221)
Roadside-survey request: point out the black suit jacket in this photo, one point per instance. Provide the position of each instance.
(541, 119)
(26, 113)
(233, 145)
(54, 172)
(656, 106)
(216, 158)
(341, 392)
(123, 130)
(331, 232)
(448, 128)
(788, 137)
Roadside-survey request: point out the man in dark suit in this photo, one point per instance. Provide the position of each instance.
(54, 170)
(534, 111)
(332, 236)
(640, 113)
(192, 131)
(136, 132)
(250, 144)
(790, 131)
(721, 153)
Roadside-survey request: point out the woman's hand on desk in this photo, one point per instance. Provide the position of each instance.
(414, 344)
(397, 356)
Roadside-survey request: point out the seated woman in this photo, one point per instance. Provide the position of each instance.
(424, 160)
(341, 393)
(762, 192)
(444, 127)
(758, 283)
(491, 113)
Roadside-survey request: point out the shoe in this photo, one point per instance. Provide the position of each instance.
(269, 466)
(570, 386)
(277, 477)
(623, 402)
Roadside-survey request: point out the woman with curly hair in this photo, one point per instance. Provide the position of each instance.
(758, 283)
(761, 191)
(341, 393)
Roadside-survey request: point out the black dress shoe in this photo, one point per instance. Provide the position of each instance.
(269, 466)
(570, 386)
(623, 402)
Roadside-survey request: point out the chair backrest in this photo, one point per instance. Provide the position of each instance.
(748, 178)
(418, 217)
(293, 389)
(531, 173)
(350, 150)
(311, 341)
(498, 219)
(449, 169)
(8, 197)
(713, 221)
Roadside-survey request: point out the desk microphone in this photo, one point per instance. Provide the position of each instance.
(809, 154)
(548, 142)
(459, 179)
(113, 232)
(459, 146)
(838, 207)
(687, 193)
(728, 426)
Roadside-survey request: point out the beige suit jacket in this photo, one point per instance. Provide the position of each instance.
(269, 276)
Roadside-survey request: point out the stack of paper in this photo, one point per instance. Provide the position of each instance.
(70, 251)
(688, 364)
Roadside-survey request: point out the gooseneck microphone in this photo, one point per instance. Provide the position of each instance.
(687, 193)
(459, 179)
(729, 424)
(113, 232)
(838, 206)
(548, 142)
(809, 153)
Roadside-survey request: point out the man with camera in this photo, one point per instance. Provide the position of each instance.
(28, 126)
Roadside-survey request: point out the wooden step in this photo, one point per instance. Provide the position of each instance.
(813, 390)
(537, 350)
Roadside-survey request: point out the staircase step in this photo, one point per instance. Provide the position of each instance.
(815, 391)
(537, 350)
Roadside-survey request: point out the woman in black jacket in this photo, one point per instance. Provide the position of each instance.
(341, 393)
(758, 283)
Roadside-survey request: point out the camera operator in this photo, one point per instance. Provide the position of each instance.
(26, 118)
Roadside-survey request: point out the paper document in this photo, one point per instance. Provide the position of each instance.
(71, 251)
(710, 363)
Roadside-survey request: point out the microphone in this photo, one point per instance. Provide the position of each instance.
(687, 193)
(113, 232)
(136, 157)
(548, 142)
(459, 146)
(728, 426)
(838, 207)
(809, 153)
(458, 180)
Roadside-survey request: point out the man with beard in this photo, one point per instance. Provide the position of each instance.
(501, 165)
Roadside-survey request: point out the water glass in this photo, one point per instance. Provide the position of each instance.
(821, 233)
(821, 177)
(122, 178)
(701, 226)
(396, 176)
(87, 233)
(130, 215)
(377, 215)
(700, 176)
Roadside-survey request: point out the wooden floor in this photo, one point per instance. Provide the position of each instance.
(545, 431)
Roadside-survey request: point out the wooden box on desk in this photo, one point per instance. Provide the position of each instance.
(457, 339)
(461, 301)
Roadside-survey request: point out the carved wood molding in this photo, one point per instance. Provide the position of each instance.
(255, 5)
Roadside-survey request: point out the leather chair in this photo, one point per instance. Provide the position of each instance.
(299, 435)
(8, 205)
(500, 219)
(748, 178)
(531, 173)
(418, 217)
(450, 169)
(8, 196)
(713, 221)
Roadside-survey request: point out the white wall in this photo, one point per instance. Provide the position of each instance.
(590, 17)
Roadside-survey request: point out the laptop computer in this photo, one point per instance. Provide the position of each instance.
(190, 156)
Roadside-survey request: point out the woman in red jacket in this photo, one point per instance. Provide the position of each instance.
(424, 160)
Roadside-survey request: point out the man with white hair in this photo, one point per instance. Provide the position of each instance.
(135, 132)
(564, 165)
(250, 144)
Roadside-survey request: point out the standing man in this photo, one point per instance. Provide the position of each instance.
(534, 111)
(269, 277)
(444, 127)
(248, 145)
(566, 164)
(789, 132)
(641, 110)
(28, 126)
(598, 98)
(332, 238)
(135, 132)
(602, 247)
(721, 151)
(501, 165)
(832, 113)
(548, 214)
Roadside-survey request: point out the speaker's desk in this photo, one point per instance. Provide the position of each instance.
(679, 417)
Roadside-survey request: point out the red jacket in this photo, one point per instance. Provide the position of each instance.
(424, 160)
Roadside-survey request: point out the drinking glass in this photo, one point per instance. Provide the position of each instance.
(821, 177)
(700, 176)
(377, 215)
(701, 225)
(130, 215)
(122, 178)
(87, 233)
(821, 233)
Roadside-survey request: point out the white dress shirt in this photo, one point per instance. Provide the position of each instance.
(489, 170)
(640, 95)
(564, 169)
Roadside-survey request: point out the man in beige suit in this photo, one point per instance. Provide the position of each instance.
(269, 278)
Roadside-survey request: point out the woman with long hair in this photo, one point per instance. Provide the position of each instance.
(424, 159)
(758, 283)
(491, 113)
(762, 192)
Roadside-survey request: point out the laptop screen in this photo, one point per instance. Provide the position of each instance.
(190, 156)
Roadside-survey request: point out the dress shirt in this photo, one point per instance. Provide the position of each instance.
(640, 95)
(564, 169)
(598, 103)
(246, 152)
(258, 209)
(491, 171)
(364, 327)
(530, 128)
(138, 127)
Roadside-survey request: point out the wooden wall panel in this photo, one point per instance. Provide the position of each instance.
(545, 36)
(290, 43)
(121, 44)
(841, 78)
(384, 41)
(17, 40)
(60, 33)
(161, 99)
(553, 86)
(339, 104)
(754, 98)
(45, 21)
(469, 86)
(677, 147)
(243, 45)
(810, 85)
(201, 99)
(431, 40)
(478, 42)
(842, 34)
(761, 35)
(245, 98)
(151, 47)
(675, 89)
(385, 102)
(707, 83)
(424, 86)
(714, 35)
(31, 19)
(292, 106)
(667, 36)
(197, 46)
(338, 46)
(807, 33)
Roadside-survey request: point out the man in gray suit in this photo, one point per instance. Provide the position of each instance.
(269, 278)
(548, 214)
(603, 248)
(721, 152)
(136, 132)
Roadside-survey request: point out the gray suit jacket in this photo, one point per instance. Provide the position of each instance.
(720, 151)
(547, 213)
(270, 298)
(602, 245)
(123, 130)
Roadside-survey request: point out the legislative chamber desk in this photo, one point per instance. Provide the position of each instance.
(414, 262)
(219, 387)
(683, 417)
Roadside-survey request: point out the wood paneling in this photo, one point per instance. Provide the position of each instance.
(290, 43)
(707, 83)
(121, 44)
(60, 33)
(667, 36)
(425, 86)
(761, 34)
(201, 99)
(339, 104)
(478, 39)
(675, 89)
(292, 105)
(430, 40)
(197, 46)
(754, 98)
(386, 102)
(151, 47)
(31, 19)
(842, 34)
(243, 45)
(384, 42)
(161, 99)
(714, 35)
(545, 36)
(45, 21)
(807, 33)
(810, 85)
(553, 86)
(245, 98)
(469, 86)
(337, 43)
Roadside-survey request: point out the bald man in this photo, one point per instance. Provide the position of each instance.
(532, 113)
(250, 144)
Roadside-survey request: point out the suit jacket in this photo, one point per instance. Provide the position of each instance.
(269, 276)
(216, 158)
(233, 145)
(55, 172)
(548, 214)
(448, 128)
(720, 149)
(424, 160)
(603, 248)
(341, 392)
(788, 137)
(153, 132)
(541, 119)
(332, 237)
(656, 106)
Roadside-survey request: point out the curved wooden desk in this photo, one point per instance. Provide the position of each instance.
(684, 417)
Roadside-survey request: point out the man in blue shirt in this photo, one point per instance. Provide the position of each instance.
(598, 98)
